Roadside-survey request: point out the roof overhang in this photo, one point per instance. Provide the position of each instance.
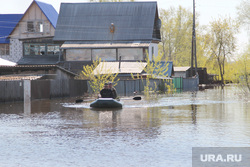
(181, 69)
(105, 45)
(8, 63)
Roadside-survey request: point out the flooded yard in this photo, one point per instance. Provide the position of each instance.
(159, 131)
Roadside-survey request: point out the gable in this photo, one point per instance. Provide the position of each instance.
(92, 21)
(42, 12)
(7, 23)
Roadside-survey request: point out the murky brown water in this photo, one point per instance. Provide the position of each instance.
(156, 132)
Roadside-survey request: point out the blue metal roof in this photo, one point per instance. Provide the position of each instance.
(92, 21)
(162, 65)
(49, 11)
(7, 23)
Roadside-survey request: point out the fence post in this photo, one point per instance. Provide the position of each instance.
(27, 96)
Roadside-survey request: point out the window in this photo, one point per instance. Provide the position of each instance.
(4, 49)
(78, 55)
(104, 54)
(131, 53)
(39, 27)
(35, 26)
(30, 26)
(52, 49)
(34, 49)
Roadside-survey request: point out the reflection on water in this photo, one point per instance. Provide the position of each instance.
(159, 131)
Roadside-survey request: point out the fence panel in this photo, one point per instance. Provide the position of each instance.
(11, 91)
(178, 82)
(77, 87)
(40, 89)
(59, 88)
(120, 88)
(190, 84)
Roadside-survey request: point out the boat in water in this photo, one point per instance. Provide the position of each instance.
(106, 103)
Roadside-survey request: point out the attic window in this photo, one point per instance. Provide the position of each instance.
(30, 26)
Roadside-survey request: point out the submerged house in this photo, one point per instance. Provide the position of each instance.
(31, 39)
(111, 30)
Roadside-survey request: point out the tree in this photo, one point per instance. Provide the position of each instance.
(167, 34)
(244, 69)
(244, 12)
(155, 70)
(176, 34)
(96, 77)
(222, 42)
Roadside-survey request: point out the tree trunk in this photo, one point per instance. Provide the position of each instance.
(221, 72)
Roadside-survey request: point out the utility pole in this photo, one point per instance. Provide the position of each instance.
(193, 54)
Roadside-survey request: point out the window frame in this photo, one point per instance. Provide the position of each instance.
(5, 49)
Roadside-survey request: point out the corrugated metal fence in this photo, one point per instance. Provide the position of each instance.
(128, 87)
(186, 84)
(42, 89)
(190, 84)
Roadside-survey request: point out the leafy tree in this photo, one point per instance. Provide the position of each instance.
(244, 69)
(156, 70)
(222, 43)
(167, 33)
(96, 77)
(176, 34)
(244, 12)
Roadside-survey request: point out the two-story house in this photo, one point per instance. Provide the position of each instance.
(108, 30)
(31, 39)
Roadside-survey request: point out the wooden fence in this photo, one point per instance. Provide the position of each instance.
(47, 89)
(42, 89)
(11, 91)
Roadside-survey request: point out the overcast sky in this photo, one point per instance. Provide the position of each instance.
(207, 9)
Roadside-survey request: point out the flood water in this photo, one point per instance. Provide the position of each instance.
(154, 132)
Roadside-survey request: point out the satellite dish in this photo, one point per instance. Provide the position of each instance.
(158, 24)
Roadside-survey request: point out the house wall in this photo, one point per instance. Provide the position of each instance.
(152, 51)
(180, 74)
(61, 75)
